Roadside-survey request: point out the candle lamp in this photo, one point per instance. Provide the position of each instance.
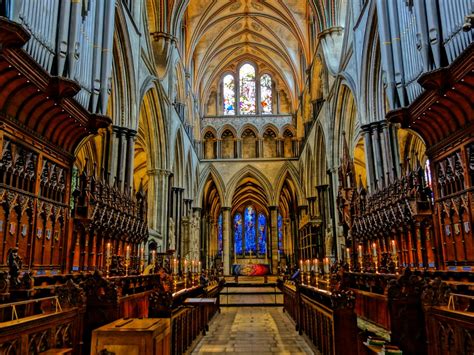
(348, 253)
(374, 254)
(153, 257)
(326, 267)
(108, 258)
(394, 255)
(142, 260)
(301, 271)
(360, 257)
(127, 259)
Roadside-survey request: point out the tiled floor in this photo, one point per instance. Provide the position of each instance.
(251, 295)
(266, 330)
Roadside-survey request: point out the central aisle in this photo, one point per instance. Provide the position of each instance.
(262, 330)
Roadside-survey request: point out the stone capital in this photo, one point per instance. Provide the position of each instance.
(156, 172)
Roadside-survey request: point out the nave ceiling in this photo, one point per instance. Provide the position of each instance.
(222, 34)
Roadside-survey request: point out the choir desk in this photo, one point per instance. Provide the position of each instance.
(132, 336)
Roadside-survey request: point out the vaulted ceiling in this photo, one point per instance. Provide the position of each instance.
(273, 34)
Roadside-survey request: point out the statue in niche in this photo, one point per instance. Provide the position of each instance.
(14, 266)
(171, 235)
(329, 240)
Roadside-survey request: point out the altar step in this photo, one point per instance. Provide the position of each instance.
(250, 294)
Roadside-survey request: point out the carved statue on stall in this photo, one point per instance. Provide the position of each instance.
(14, 266)
(117, 267)
(172, 235)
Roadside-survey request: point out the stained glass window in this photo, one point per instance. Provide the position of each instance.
(262, 234)
(280, 232)
(266, 93)
(229, 95)
(238, 233)
(250, 219)
(247, 90)
(219, 234)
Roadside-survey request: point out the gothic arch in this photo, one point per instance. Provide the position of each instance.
(248, 126)
(209, 173)
(248, 171)
(151, 126)
(123, 80)
(320, 152)
(346, 122)
(270, 126)
(371, 73)
(289, 171)
(227, 127)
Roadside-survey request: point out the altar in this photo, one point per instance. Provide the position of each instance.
(250, 269)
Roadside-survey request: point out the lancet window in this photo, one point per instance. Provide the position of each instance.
(250, 232)
(247, 93)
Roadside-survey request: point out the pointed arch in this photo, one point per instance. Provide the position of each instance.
(209, 173)
(248, 171)
(178, 160)
(289, 171)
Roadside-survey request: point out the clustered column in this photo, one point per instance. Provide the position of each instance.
(380, 142)
(226, 239)
(274, 238)
(120, 155)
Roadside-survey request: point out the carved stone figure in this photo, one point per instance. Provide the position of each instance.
(14, 266)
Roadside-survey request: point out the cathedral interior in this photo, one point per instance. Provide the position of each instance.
(236, 176)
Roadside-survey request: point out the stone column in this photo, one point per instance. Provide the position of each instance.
(218, 148)
(237, 94)
(280, 144)
(369, 157)
(378, 156)
(121, 163)
(258, 96)
(287, 240)
(179, 219)
(157, 201)
(114, 153)
(277, 97)
(226, 235)
(239, 147)
(185, 238)
(274, 238)
(259, 148)
(393, 132)
(196, 232)
(274, 98)
(131, 135)
(385, 152)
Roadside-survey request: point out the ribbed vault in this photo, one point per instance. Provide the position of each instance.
(271, 34)
(249, 192)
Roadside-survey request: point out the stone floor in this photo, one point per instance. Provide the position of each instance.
(266, 330)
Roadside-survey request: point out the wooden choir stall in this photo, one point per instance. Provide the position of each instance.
(71, 242)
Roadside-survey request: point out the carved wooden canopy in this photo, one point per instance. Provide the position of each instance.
(444, 110)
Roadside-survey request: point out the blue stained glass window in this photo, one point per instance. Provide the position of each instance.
(238, 233)
(280, 232)
(219, 234)
(250, 219)
(262, 234)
